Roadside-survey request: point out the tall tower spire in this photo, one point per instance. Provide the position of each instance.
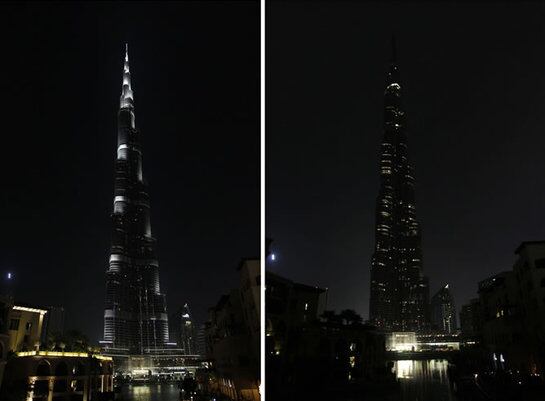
(127, 99)
(135, 315)
(394, 50)
(399, 290)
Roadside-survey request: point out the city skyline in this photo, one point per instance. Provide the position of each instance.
(469, 138)
(291, 200)
(61, 77)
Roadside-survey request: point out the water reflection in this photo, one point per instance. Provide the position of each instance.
(424, 380)
(151, 392)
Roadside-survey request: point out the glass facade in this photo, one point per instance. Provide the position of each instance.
(399, 290)
(135, 316)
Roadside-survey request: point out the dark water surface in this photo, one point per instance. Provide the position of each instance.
(419, 381)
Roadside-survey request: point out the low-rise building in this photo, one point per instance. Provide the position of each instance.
(200, 342)
(58, 376)
(32, 374)
(6, 303)
(311, 349)
(501, 328)
(529, 270)
(508, 319)
(233, 338)
(470, 321)
(289, 305)
(53, 323)
(25, 327)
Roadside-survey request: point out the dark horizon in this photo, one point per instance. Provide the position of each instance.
(474, 91)
(195, 73)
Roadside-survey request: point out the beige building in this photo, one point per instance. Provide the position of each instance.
(31, 374)
(25, 328)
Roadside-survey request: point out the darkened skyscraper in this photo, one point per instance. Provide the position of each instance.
(399, 291)
(443, 311)
(183, 329)
(135, 318)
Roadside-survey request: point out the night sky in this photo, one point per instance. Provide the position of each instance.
(474, 91)
(195, 75)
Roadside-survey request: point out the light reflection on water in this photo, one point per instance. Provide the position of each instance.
(424, 380)
(419, 380)
(151, 392)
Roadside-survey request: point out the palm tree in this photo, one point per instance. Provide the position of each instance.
(71, 341)
(350, 317)
(77, 341)
(331, 317)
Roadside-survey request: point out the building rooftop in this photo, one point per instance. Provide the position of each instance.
(526, 243)
(63, 354)
(299, 286)
(28, 308)
(494, 281)
(244, 260)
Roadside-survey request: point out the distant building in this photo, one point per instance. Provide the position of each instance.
(438, 341)
(399, 293)
(401, 341)
(233, 338)
(470, 320)
(200, 342)
(407, 341)
(443, 311)
(53, 322)
(184, 330)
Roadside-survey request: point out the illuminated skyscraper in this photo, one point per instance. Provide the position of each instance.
(135, 316)
(399, 290)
